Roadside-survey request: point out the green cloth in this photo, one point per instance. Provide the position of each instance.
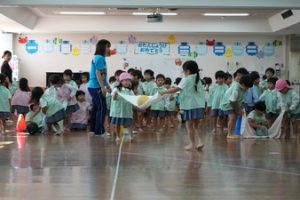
(161, 104)
(216, 95)
(233, 94)
(5, 97)
(120, 108)
(270, 97)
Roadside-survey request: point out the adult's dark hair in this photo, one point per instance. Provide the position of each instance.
(23, 85)
(2, 79)
(160, 76)
(168, 81)
(6, 53)
(101, 47)
(246, 81)
(79, 92)
(192, 66)
(270, 69)
(273, 80)
(219, 74)
(260, 105)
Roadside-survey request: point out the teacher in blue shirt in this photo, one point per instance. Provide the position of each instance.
(97, 87)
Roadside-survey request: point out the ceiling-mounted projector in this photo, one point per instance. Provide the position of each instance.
(155, 17)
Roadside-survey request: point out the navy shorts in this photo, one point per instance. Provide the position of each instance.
(272, 115)
(193, 114)
(158, 113)
(217, 113)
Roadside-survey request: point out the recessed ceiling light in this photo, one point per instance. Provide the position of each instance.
(227, 14)
(150, 13)
(80, 13)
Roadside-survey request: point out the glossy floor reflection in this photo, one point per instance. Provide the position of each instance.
(81, 167)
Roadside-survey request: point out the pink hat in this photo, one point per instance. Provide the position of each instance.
(281, 84)
(125, 76)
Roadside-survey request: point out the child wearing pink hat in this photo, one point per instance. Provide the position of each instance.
(121, 112)
(289, 103)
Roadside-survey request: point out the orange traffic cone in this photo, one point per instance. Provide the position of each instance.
(21, 124)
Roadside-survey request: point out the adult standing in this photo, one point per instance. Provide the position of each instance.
(5, 68)
(96, 87)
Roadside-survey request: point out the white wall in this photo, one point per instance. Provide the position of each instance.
(35, 66)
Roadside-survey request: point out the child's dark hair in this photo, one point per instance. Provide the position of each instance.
(270, 69)
(243, 71)
(246, 81)
(288, 82)
(260, 105)
(23, 85)
(130, 70)
(254, 75)
(192, 66)
(137, 73)
(177, 80)
(112, 79)
(228, 76)
(68, 72)
(2, 79)
(36, 95)
(168, 81)
(220, 74)
(79, 92)
(55, 79)
(273, 80)
(207, 80)
(150, 72)
(160, 76)
(118, 72)
(264, 77)
(86, 74)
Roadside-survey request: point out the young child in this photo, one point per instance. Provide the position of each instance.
(79, 119)
(270, 97)
(121, 111)
(256, 80)
(192, 103)
(117, 82)
(108, 97)
(67, 96)
(231, 103)
(4, 103)
(21, 98)
(215, 96)
(269, 73)
(170, 105)
(257, 119)
(54, 83)
(137, 87)
(148, 86)
(51, 107)
(228, 79)
(35, 116)
(289, 103)
(252, 95)
(158, 109)
(85, 77)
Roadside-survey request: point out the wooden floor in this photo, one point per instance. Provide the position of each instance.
(78, 166)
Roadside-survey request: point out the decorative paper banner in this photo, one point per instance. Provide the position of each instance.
(219, 49)
(122, 48)
(210, 43)
(171, 39)
(238, 49)
(48, 46)
(142, 101)
(93, 40)
(32, 47)
(75, 51)
(158, 48)
(202, 49)
(132, 39)
(277, 43)
(23, 39)
(269, 49)
(251, 49)
(260, 54)
(66, 47)
(184, 49)
(228, 53)
(85, 47)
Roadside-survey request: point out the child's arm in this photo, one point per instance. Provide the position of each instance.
(170, 91)
(262, 96)
(295, 101)
(114, 94)
(253, 124)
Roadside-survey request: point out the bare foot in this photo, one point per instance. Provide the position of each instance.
(199, 147)
(130, 139)
(118, 139)
(189, 147)
(233, 137)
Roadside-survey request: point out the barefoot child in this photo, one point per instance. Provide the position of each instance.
(192, 103)
(170, 105)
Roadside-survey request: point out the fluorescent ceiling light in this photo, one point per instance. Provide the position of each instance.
(80, 13)
(227, 14)
(151, 13)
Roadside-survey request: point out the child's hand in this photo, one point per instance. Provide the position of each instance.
(264, 128)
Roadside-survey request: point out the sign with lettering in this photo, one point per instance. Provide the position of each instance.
(157, 48)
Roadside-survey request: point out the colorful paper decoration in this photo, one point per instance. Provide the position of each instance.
(75, 51)
(277, 43)
(122, 48)
(210, 43)
(184, 49)
(112, 52)
(132, 39)
(228, 53)
(238, 49)
(171, 39)
(57, 41)
(178, 62)
(48, 46)
(193, 54)
(23, 40)
(251, 49)
(157, 48)
(269, 49)
(93, 40)
(219, 49)
(32, 47)
(125, 63)
(260, 54)
(85, 47)
(66, 47)
(201, 49)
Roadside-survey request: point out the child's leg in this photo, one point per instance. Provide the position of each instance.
(285, 126)
(129, 128)
(215, 121)
(2, 130)
(221, 124)
(231, 124)
(140, 120)
(198, 129)
(295, 125)
(190, 130)
(118, 129)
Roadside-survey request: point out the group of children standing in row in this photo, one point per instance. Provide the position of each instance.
(64, 105)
